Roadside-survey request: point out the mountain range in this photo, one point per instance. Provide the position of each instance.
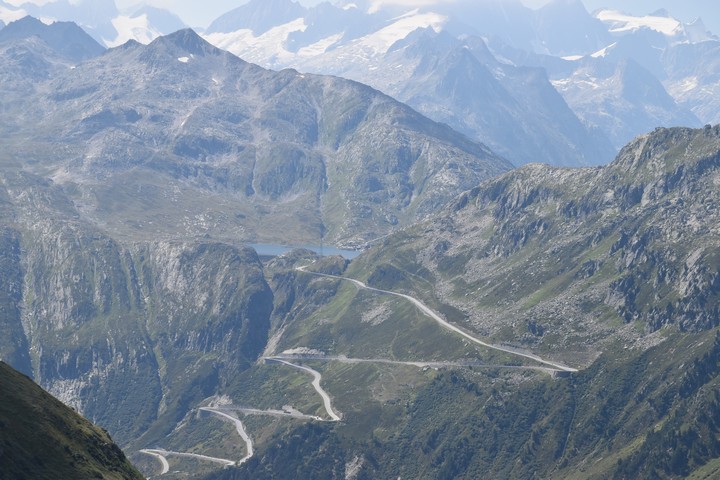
(183, 119)
(131, 180)
(481, 91)
(607, 278)
(513, 110)
(542, 321)
(612, 271)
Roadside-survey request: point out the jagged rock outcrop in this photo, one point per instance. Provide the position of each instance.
(584, 252)
(92, 318)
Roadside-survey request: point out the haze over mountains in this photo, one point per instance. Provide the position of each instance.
(494, 95)
(385, 49)
(182, 116)
(539, 321)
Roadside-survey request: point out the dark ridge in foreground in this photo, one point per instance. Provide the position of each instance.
(41, 438)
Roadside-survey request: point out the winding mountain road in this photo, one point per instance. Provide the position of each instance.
(162, 455)
(159, 456)
(225, 412)
(240, 429)
(418, 363)
(289, 412)
(315, 383)
(442, 322)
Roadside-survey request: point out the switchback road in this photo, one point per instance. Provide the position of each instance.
(317, 377)
(444, 323)
(240, 429)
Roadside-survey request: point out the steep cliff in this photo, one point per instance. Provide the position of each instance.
(93, 319)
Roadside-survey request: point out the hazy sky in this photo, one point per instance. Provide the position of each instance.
(200, 13)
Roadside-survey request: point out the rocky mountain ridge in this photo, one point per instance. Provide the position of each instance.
(183, 118)
(444, 70)
(612, 270)
(630, 242)
(586, 64)
(580, 51)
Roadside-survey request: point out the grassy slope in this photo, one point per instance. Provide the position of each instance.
(612, 268)
(632, 414)
(40, 438)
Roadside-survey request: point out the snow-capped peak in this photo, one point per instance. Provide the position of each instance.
(603, 52)
(383, 39)
(132, 28)
(696, 31)
(621, 22)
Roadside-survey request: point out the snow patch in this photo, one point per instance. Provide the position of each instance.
(620, 22)
(572, 58)
(603, 53)
(381, 41)
(688, 84)
(132, 28)
(320, 47)
(184, 60)
(267, 49)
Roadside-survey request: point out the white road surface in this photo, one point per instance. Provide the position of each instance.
(292, 413)
(317, 377)
(159, 456)
(240, 429)
(443, 323)
(418, 363)
(162, 455)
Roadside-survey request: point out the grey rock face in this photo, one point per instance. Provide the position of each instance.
(694, 77)
(93, 319)
(516, 110)
(582, 251)
(65, 38)
(623, 99)
(196, 119)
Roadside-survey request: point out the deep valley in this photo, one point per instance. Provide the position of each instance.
(523, 307)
